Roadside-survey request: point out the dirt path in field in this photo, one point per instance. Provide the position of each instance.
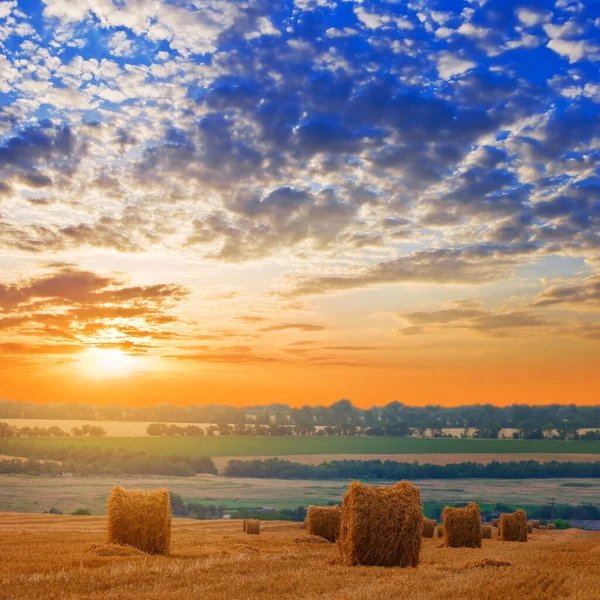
(434, 459)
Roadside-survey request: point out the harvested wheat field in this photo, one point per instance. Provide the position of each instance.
(61, 557)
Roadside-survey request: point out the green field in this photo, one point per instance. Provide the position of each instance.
(24, 493)
(284, 446)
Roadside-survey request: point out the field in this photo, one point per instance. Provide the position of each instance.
(256, 446)
(52, 557)
(36, 494)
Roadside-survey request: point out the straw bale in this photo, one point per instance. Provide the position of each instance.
(462, 527)
(513, 527)
(253, 526)
(245, 524)
(440, 531)
(324, 521)
(140, 519)
(486, 532)
(381, 526)
(535, 523)
(529, 527)
(550, 526)
(428, 527)
(495, 522)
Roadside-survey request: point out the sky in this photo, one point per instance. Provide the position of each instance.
(253, 201)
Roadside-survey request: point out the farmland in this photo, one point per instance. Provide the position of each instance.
(256, 446)
(53, 557)
(35, 494)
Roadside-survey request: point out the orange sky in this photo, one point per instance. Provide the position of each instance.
(299, 202)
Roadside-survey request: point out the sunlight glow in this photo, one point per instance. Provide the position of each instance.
(101, 362)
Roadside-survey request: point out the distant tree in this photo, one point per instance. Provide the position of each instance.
(81, 512)
(55, 511)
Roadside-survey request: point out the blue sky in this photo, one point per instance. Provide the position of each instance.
(406, 173)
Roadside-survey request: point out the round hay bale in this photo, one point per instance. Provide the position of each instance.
(486, 532)
(495, 522)
(440, 531)
(513, 527)
(253, 527)
(381, 526)
(462, 527)
(535, 523)
(324, 521)
(550, 526)
(428, 527)
(529, 527)
(245, 524)
(140, 519)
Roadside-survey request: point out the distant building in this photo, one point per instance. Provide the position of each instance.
(267, 509)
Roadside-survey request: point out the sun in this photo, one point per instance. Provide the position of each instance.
(103, 362)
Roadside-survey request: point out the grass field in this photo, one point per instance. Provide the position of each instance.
(285, 446)
(21, 493)
(51, 557)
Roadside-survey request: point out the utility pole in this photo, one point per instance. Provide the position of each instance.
(552, 513)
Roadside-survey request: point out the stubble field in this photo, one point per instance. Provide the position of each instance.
(52, 557)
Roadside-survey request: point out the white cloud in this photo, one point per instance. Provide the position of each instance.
(575, 50)
(449, 65)
(531, 18)
(120, 44)
(470, 30)
(5, 8)
(332, 32)
(443, 32)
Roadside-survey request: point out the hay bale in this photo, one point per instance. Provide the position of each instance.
(245, 524)
(381, 526)
(535, 523)
(529, 527)
(428, 527)
(253, 527)
(486, 532)
(462, 527)
(543, 527)
(440, 531)
(495, 522)
(513, 527)
(550, 526)
(140, 519)
(324, 521)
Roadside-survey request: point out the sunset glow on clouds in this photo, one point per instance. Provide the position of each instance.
(298, 201)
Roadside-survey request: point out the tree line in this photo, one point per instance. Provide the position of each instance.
(101, 461)
(275, 468)
(11, 431)
(560, 420)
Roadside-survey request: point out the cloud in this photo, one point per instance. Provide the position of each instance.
(89, 309)
(575, 50)
(293, 327)
(472, 265)
(474, 318)
(449, 65)
(226, 354)
(585, 292)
